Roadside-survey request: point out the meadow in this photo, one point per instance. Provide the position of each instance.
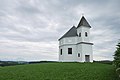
(59, 71)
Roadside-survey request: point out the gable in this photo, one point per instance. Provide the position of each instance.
(83, 22)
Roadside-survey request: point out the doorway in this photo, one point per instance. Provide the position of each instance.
(87, 58)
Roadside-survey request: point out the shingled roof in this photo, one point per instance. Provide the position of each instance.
(71, 33)
(83, 22)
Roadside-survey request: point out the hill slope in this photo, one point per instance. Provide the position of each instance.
(59, 71)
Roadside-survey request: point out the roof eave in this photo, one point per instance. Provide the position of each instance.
(65, 37)
(84, 26)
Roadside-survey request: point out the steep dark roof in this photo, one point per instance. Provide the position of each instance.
(83, 22)
(71, 33)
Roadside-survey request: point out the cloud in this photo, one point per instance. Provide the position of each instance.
(29, 30)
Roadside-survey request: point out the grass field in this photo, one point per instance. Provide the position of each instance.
(59, 71)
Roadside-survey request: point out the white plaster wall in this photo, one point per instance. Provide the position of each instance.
(64, 44)
(87, 50)
(83, 49)
(68, 40)
(82, 30)
(61, 57)
(79, 50)
(65, 57)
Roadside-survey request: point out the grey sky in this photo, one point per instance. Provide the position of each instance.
(30, 29)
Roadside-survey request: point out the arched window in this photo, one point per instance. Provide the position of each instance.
(79, 34)
(78, 54)
(86, 34)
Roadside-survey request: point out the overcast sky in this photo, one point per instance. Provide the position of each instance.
(30, 29)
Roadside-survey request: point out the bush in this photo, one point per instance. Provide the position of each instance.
(118, 71)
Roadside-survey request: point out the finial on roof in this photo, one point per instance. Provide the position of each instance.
(82, 14)
(73, 25)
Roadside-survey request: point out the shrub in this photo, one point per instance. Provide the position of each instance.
(118, 71)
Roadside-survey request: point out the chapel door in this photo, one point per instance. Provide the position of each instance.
(87, 58)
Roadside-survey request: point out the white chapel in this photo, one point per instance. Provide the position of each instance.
(75, 45)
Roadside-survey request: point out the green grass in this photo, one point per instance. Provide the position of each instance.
(59, 71)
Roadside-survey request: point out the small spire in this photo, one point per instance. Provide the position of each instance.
(73, 25)
(82, 14)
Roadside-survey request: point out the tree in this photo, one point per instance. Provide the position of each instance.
(117, 55)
